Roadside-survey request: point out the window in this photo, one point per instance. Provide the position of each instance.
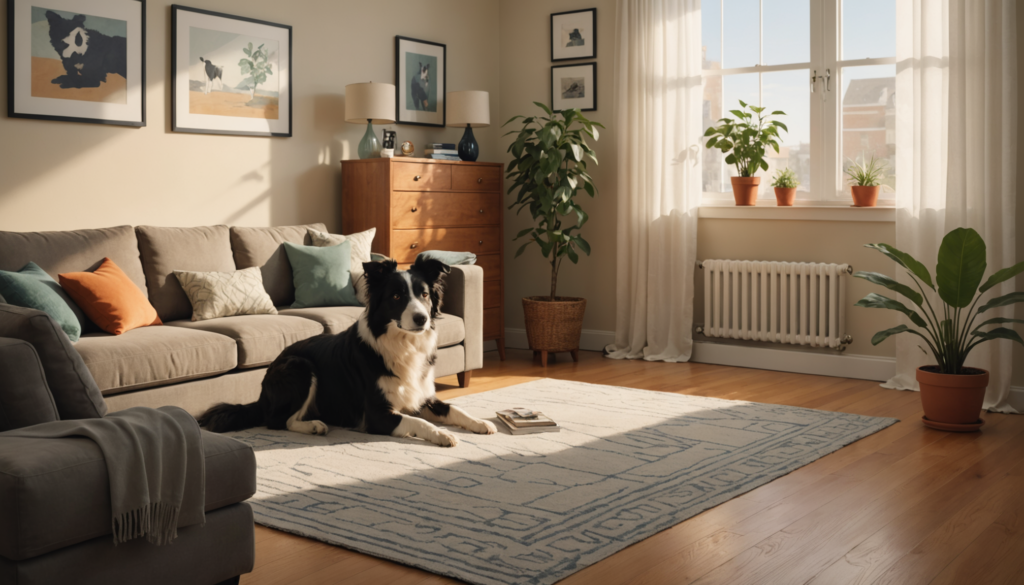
(830, 65)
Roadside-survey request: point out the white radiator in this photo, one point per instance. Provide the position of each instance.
(780, 302)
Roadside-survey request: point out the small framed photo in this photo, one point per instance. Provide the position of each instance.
(574, 86)
(574, 35)
(420, 74)
(230, 74)
(77, 61)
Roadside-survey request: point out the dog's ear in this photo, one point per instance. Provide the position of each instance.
(78, 19)
(52, 17)
(430, 270)
(378, 270)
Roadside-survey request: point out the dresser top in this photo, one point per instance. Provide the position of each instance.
(410, 159)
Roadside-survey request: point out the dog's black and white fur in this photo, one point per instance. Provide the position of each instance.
(377, 376)
(421, 87)
(87, 55)
(212, 72)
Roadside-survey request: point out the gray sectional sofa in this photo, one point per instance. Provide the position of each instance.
(196, 364)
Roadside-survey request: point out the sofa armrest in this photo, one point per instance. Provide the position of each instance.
(464, 297)
(25, 398)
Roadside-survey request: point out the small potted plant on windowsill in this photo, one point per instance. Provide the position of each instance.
(951, 393)
(785, 183)
(865, 180)
(745, 138)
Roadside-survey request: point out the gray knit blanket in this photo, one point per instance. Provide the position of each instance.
(155, 463)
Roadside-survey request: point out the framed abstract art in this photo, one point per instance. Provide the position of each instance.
(77, 61)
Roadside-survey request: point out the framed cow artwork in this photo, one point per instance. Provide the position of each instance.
(420, 75)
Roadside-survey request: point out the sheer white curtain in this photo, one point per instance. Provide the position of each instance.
(956, 121)
(658, 102)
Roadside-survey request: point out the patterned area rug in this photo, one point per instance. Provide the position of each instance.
(533, 509)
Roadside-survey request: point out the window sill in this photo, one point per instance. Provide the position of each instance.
(770, 211)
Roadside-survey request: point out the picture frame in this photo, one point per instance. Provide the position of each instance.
(574, 86)
(421, 71)
(574, 35)
(98, 75)
(230, 74)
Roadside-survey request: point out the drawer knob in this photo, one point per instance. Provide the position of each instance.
(414, 246)
(416, 178)
(481, 211)
(415, 209)
(481, 242)
(480, 180)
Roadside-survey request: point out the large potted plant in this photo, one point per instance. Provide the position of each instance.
(548, 169)
(866, 180)
(951, 393)
(745, 138)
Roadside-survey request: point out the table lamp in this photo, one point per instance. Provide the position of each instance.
(369, 102)
(471, 109)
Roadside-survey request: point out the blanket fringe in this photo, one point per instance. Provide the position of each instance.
(157, 521)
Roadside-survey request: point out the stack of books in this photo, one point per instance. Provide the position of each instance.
(442, 151)
(523, 421)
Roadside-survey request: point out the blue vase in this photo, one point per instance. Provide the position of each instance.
(469, 150)
(369, 146)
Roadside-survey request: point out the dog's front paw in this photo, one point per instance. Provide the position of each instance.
(319, 428)
(445, 439)
(485, 427)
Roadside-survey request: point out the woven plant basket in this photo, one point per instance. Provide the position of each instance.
(554, 326)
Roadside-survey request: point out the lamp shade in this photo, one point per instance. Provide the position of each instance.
(370, 101)
(469, 108)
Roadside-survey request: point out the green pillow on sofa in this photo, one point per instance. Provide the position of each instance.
(322, 276)
(32, 288)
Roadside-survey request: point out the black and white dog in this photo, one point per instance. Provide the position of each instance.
(87, 55)
(211, 72)
(421, 87)
(377, 376)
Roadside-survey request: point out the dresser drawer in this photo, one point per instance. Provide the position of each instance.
(476, 178)
(492, 294)
(406, 244)
(421, 177)
(492, 323)
(412, 209)
(491, 265)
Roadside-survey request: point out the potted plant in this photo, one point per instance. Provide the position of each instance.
(951, 393)
(785, 183)
(548, 169)
(745, 138)
(865, 178)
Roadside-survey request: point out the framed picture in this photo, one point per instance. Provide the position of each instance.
(420, 74)
(574, 86)
(77, 61)
(230, 74)
(574, 35)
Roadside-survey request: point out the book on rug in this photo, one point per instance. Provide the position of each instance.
(523, 421)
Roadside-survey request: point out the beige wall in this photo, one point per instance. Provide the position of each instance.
(1018, 373)
(59, 175)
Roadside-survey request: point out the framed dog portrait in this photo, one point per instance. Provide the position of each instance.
(574, 86)
(230, 74)
(574, 35)
(420, 74)
(77, 61)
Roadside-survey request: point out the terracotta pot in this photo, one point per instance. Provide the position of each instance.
(744, 190)
(952, 400)
(784, 196)
(553, 326)
(865, 196)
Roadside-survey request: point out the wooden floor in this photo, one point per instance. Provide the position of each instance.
(905, 505)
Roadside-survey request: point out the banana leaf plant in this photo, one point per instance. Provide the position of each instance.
(950, 331)
(547, 171)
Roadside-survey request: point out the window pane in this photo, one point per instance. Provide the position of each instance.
(742, 42)
(787, 31)
(869, 29)
(869, 121)
(712, 112)
(711, 31)
(789, 91)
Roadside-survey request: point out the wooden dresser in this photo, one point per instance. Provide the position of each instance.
(420, 204)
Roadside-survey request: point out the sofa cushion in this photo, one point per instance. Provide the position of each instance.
(262, 247)
(226, 294)
(55, 493)
(109, 298)
(73, 251)
(451, 329)
(155, 356)
(260, 338)
(33, 288)
(321, 275)
(164, 250)
(25, 399)
(74, 391)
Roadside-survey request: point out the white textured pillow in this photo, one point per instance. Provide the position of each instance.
(361, 244)
(225, 294)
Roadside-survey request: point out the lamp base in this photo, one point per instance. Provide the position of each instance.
(369, 146)
(469, 150)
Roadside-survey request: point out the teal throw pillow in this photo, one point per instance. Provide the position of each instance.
(322, 276)
(32, 288)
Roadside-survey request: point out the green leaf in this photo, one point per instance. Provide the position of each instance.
(961, 267)
(781, 125)
(590, 188)
(582, 244)
(572, 255)
(711, 143)
(1002, 276)
(546, 109)
(523, 232)
(892, 285)
(883, 335)
(905, 260)
(877, 301)
(521, 248)
(1014, 297)
(999, 333)
(778, 113)
(999, 320)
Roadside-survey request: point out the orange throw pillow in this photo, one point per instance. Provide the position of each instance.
(109, 298)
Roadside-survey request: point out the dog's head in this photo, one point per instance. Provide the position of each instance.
(425, 72)
(68, 35)
(410, 299)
